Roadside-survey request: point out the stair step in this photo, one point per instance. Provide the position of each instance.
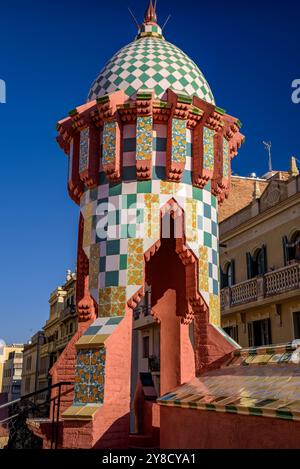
(140, 441)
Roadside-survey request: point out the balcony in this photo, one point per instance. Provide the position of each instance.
(47, 348)
(271, 284)
(68, 311)
(62, 342)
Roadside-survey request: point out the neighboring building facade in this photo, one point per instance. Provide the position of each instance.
(31, 363)
(12, 373)
(59, 328)
(5, 350)
(260, 261)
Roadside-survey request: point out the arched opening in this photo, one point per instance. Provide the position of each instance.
(162, 345)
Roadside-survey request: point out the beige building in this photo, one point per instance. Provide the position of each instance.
(12, 373)
(5, 350)
(31, 363)
(260, 259)
(59, 328)
(146, 341)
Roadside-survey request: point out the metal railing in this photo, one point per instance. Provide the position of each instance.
(24, 407)
(62, 342)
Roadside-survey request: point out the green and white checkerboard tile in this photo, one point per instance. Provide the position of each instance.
(124, 218)
(151, 63)
(122, 207)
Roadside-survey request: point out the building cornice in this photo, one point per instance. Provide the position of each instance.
(259, 218)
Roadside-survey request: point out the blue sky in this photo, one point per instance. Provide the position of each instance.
(51, 51)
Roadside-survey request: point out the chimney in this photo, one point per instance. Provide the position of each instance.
(256, 193)
(294, 171)
(68, 275)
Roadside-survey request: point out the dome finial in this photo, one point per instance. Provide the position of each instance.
(150, 13)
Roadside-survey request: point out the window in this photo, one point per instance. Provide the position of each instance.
(291, 250)
(228, 276)
(296, 316)
(146, 347)
(144, 305)
(147, 310)
(70, 300)
(257, 264)
(16, 388)
(233, 332)
(28, 363)
(27, 384)
(259, 333)
(43, 365)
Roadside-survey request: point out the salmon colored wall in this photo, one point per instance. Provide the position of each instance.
(64, 370)
(110, 427)
(165, 309)
(187, 362)
(196, 429)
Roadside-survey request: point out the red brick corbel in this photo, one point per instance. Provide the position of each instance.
(144, 108)
(75, 184)
(90, 176)
(108, 112)
(201, 176)
(231, 133)
(180, 105)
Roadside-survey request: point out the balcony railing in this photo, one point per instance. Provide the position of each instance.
(282, 280)
(47, 348)
(244, 292)
(273, 283)
(62, 342)
(68, 311)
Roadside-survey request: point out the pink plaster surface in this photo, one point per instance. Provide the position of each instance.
(110, 427)
(212, 430)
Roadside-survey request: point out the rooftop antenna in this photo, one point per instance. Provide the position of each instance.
(165, 23)
(268, 146)
(134, 19)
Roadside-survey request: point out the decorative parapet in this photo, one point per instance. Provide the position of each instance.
(215, 139)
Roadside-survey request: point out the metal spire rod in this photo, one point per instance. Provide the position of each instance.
(134, 19)
(268, 146)
(165, 23)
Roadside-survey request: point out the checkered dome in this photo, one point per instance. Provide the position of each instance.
(151, 63)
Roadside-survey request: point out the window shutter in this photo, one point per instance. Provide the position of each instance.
(250, 334)
(265, 261)
(285, 250)
(224, 279)
(249, 265)
(233, 271)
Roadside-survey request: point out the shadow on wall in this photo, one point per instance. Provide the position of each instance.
(116, 436)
